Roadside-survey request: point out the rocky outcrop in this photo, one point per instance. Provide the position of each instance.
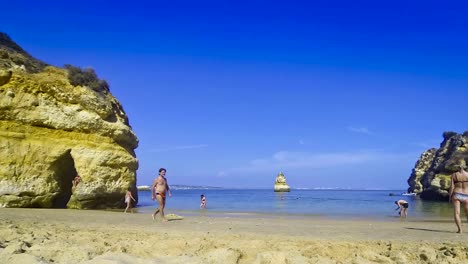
(280, 184)
(51, 131)
(431, 175)
(13, 56)
(421, 167)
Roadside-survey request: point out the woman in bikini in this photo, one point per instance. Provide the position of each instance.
(459, 194)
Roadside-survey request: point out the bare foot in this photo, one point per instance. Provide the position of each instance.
(155, 213)
(459, 232)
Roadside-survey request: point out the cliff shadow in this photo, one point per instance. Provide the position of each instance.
(64, 172)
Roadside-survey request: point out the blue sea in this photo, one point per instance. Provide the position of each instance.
(329, 203)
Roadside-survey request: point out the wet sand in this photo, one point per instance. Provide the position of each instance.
(79, 236)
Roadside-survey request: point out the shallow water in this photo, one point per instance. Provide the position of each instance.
(330, 203)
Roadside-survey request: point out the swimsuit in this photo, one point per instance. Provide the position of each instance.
(455, 178)
(460, 197)
(163, 195)
(405, 205)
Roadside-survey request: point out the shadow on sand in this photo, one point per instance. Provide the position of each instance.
(174, 219)
(429, 230)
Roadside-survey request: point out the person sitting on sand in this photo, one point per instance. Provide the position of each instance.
(403, 206)
(459, 194)
(129, 196)
(203, 202)
(158, 191)
(76, 180)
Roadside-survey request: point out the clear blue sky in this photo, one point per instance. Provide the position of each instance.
(228, 93)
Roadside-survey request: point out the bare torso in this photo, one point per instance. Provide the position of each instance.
(161, 185)
(460, 182)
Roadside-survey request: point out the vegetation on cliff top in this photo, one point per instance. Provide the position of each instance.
(13, 56)
(86, 77)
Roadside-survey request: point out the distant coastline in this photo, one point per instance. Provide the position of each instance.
(345, 189)
(180, 187)
(194, 187)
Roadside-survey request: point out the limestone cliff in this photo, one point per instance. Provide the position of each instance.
(51, 130)
(421, 167)
(280, 183)
(431, 175)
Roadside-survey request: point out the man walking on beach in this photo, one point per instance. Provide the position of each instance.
(158, 190)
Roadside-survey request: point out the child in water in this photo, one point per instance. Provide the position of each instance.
(129, 196)
(203, 202)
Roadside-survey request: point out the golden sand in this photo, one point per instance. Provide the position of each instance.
(78, 236)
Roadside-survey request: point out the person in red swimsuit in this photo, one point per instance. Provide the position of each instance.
(158, 191)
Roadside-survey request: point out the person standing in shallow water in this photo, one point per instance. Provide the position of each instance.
(203, 201)
(459, 194)
(159, 189)
(403, 206)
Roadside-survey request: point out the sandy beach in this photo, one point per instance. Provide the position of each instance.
(78, 236)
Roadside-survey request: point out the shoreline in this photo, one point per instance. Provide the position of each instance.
(97, 236)
(390, 217)
(375, 205)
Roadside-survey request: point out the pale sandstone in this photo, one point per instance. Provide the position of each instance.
(51, 131)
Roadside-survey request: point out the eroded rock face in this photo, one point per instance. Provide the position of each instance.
(432, 174)
(50, 131)
(421, 167)
(280, 184)
(5, 76)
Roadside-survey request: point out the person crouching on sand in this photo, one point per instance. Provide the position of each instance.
(403, 206)
(203, 201)
(128, 198)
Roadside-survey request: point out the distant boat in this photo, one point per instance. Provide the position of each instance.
(409, 194)
(143, 188)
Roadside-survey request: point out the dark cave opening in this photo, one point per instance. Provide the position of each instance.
(65, 171)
